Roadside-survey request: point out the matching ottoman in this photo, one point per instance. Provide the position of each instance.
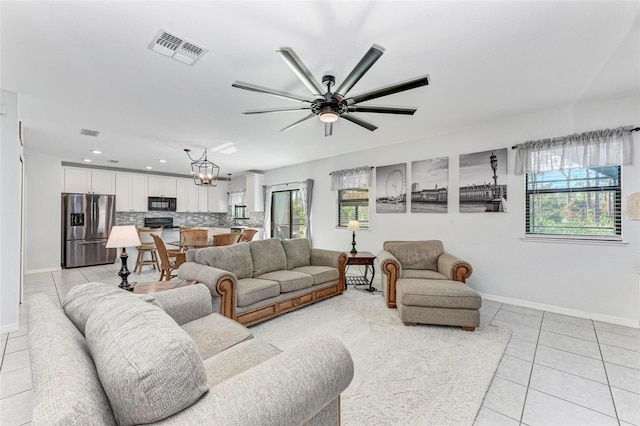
(434, 301)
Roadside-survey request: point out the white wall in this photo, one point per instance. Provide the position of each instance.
(10, 214)
(43, 186)
(595, 281)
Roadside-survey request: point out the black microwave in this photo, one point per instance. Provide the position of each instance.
(163, 204)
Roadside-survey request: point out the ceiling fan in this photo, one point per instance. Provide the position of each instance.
(331, 106)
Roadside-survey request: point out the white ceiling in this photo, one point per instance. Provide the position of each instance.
(86, 65)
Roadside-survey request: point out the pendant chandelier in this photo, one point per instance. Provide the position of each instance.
(205, 173)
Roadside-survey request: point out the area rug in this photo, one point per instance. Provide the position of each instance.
(422, 375)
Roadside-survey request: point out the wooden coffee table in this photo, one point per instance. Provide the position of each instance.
(158, 286)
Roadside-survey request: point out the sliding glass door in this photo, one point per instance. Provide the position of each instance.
(287, 217)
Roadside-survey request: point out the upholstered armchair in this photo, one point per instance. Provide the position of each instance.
(418, 259)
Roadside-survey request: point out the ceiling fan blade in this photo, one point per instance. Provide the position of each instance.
(272, 92)
(328, 129)
(382, 109)
(291, 126)
(389, 90)
(363, 66)
(359, 121)
(301, 70)
(263, 111)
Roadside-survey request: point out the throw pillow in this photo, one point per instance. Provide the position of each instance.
(149, 367)
(298, 251)
(268, 256)
(82, 299)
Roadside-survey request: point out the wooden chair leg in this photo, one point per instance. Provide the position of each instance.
(154, 258)
(469, 328)
(139, 259)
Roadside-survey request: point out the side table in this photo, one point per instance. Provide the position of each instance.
(158, 286)
(363, 258)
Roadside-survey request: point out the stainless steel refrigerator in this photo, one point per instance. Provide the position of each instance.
(86, 222)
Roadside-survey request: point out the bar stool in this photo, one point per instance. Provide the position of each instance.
(147, 245)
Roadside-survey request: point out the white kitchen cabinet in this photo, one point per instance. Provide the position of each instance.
(203, 199)
(162, 186)
(89, 181)
(255, 196)
(190, 197)
(131, 192)
(217, 197)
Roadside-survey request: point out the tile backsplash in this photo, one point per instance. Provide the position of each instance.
(223, 220)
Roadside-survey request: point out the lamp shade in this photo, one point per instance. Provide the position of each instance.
(123, 236)
(633, 206)
(354, 225)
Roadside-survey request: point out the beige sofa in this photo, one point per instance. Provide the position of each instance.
(112, 357)
(427, 285)
(255, 281)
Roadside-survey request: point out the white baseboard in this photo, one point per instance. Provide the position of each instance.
(564, 311)
(36, 271)
(8, 328)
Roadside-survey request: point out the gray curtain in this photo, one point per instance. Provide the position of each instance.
(306, 194)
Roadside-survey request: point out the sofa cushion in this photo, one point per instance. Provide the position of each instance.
(416, 254)
(252, 290)
(214, 333)
(268, 256)
(65, 380)
(423, 273)
(289, 280)
(235, 258)
(298, 252)
(436, 294)
(320, 274)
(148, 366)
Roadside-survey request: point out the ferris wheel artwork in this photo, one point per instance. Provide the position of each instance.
(391, 187)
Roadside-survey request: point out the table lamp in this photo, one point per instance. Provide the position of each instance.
(123, 236)
(354, 226)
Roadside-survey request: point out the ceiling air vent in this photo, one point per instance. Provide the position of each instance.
(88, 132)
(175, 47)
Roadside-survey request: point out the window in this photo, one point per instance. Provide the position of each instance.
(577, 202)
(353, 204)
(287, 216)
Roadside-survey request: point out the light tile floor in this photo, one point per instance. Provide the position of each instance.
(556, 370)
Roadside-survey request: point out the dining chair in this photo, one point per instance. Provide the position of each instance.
(226, 239)
(147, 245)
(247, 235)
(194, 238)
(167, 266)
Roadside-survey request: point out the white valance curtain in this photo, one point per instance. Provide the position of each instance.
(358, 177)
(590, 149)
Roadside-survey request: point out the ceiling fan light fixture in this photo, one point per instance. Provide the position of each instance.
(329, 116)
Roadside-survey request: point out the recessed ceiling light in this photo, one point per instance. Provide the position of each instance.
(148, 167)
(95, 151)
(162, 161)
(86, 160)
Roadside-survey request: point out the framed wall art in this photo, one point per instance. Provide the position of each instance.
(483, 181)
(430, 185)
(391, 189)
